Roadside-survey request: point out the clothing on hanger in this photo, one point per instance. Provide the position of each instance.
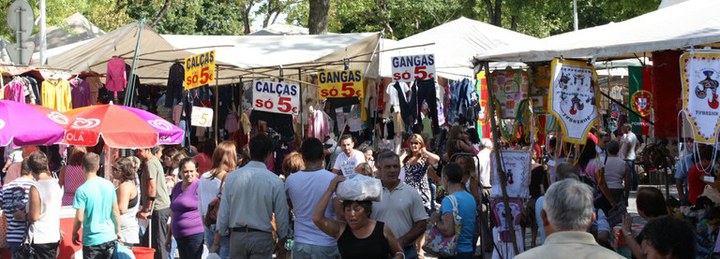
(56, 94)
(116, 78)
(175, 81)
(80, 92)
(94, 84)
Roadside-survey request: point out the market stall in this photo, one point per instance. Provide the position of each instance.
(677, 83)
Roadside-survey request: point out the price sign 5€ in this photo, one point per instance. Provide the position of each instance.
(340, 83)
(201, 117)
(277, 97)
(200, 69)
(411, 68)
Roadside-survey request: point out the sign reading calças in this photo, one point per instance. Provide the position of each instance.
(411, 68)
(574, 98)
(277, 97)
(700, 75)
(340, 83)
(200, 69)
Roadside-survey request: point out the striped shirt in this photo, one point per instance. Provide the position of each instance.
(15, 196)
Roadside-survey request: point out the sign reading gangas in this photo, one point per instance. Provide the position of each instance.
(200, 69)
(699, 74)
(574, 98)
(340, 83)
(277, 97)
(411, 68)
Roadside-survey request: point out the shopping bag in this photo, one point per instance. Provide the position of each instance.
(357, 187)
(122, 251)
(439, 245)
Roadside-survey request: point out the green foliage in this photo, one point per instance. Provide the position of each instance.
(397, 18)
(402, 18)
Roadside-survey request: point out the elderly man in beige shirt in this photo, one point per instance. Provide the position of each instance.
(567, 213)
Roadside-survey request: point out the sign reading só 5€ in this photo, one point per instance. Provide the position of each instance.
(277, 97)
(200, 69)
(340, 83)
(411, 68)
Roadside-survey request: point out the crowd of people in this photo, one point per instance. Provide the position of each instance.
(226, 201)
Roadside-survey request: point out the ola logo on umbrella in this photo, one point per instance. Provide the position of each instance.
(58, 118)
(82, 123)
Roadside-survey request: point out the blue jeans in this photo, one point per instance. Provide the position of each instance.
(411, 252)
(190, 247)
(13, 247)
(210, 240)
(173, 247)
(631, 164)
(305, 251)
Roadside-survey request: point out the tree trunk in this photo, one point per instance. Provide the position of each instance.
(513, 22)
(494, 11)
(318, 18)
(246, 17)
(162, 13)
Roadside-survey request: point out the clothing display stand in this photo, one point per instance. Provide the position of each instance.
(498, 157)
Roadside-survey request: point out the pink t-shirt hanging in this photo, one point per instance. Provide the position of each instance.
(116, 79)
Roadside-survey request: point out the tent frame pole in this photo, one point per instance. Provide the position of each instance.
(498, 157)
(131, 86)
(217, 109)
(302, 110)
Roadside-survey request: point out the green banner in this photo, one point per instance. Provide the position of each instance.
(636, 82)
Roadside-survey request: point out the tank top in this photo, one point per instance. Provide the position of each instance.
(74, 177)
(128, 221)
(46, 230)
(374, 246)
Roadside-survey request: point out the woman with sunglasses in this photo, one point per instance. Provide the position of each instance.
(415, 163)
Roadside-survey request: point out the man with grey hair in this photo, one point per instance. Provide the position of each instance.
(401, 207)
(567, 213)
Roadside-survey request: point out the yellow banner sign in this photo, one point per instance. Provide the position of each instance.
(340, 83)
(200, 69)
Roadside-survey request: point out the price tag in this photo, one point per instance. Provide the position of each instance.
(201, 117)
(277, 97)
(200, 69)
(340, 84)
(411, 68)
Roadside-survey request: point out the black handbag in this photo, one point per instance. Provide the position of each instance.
(25, 250)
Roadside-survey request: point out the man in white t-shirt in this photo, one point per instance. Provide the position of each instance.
(304, 189)
(349, 158)
(630, 145)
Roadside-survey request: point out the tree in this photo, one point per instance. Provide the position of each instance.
(161, 14)
(271, 9)
(318, 16)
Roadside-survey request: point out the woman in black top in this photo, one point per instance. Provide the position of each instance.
(360, 237)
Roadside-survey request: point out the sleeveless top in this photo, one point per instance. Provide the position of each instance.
(416, 176)
(46, 230)
(129, 228)
(74, 177)
(374, 246)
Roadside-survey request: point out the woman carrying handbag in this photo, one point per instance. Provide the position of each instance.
(451, 235)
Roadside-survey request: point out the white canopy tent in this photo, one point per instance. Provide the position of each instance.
(74, 28)
(94, 54)
(682, 25)
(260, 56)
(452, 43)
(263, 56)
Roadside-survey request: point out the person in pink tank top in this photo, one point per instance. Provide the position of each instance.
(72, 175)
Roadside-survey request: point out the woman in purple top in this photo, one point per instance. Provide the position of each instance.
(186, 223)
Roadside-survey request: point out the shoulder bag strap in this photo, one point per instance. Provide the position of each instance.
(222, 184)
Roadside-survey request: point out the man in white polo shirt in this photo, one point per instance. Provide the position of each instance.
(349, 158)
(401, 207)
